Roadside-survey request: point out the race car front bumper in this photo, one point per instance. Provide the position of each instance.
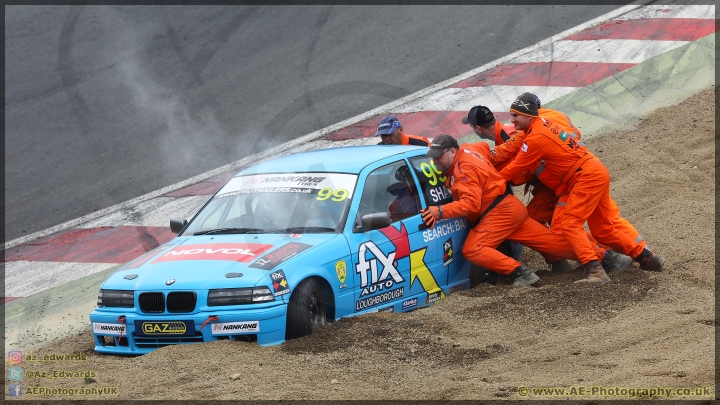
(131, 333)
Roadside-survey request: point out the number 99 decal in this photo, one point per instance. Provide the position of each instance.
(431, 172)
(337, 195)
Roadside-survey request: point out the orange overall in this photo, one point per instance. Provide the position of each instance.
(505, 149)
(414, 140)
(551, 188)
(587, 183)
(545, 194)
(543, 206)
(475, 185)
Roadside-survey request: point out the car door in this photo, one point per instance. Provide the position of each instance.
(448, 235)
(390, 265)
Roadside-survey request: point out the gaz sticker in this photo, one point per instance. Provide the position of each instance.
(156, 328)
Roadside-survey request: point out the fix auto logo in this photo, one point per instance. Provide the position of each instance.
(280, 284)
(236, 252)
(370, 281)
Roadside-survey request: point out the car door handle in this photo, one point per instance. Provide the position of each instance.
(422, 227)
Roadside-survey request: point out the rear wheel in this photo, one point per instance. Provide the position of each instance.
(306, 309)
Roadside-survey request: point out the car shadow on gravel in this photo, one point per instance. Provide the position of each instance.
(402, 337)
(422, 335)
(557, 296)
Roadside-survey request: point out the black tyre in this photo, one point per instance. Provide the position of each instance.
(479, 275)
(306, 309)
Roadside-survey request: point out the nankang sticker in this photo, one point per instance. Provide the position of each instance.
(112, 329)
(231, 328)
(447, 252)
(432, 297)
(379, 299)
(389, 277)
(237, 252)
(299, 180)
(280, 284)
(278, 256)
(304, 183)
(409, 303)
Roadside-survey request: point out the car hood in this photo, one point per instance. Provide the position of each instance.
(207, 261)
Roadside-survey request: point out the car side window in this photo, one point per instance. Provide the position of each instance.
(431, 180)
(390, 189)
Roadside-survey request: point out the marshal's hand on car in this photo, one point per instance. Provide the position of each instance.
(430, 215)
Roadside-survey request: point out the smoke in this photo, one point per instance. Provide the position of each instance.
(183, 130)
(165, 94)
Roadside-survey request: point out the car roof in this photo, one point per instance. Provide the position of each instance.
(347, 159)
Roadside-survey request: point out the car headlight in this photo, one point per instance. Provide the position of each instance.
(262, 294)
(116, 298)
(235, 296)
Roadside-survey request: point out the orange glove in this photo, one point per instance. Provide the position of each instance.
(431, 214)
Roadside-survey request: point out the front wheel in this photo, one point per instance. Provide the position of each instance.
(306, 309)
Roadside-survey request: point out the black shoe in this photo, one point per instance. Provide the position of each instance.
(614, 261)
(649, 260)
(490, 277)
(524, 276)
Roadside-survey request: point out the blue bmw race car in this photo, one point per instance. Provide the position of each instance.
(287, 245)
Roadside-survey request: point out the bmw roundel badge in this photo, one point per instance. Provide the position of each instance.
(170, 282)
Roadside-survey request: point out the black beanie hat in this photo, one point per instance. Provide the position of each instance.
(525, 104)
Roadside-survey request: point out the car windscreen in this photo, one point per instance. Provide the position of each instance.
(277, 203)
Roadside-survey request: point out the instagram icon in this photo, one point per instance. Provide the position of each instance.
(15, 357)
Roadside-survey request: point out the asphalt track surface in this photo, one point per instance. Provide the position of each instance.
(107, 103)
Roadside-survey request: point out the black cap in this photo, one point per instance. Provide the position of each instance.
(478, 115)
(525, 104)
(440, 143)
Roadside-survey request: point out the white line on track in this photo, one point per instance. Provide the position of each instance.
(154, 212)
(673, 11)
(601, 51)
(497, 98)
(22, 278)
(292, 145)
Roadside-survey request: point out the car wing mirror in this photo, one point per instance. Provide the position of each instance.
(377, 220)
(177, 224)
